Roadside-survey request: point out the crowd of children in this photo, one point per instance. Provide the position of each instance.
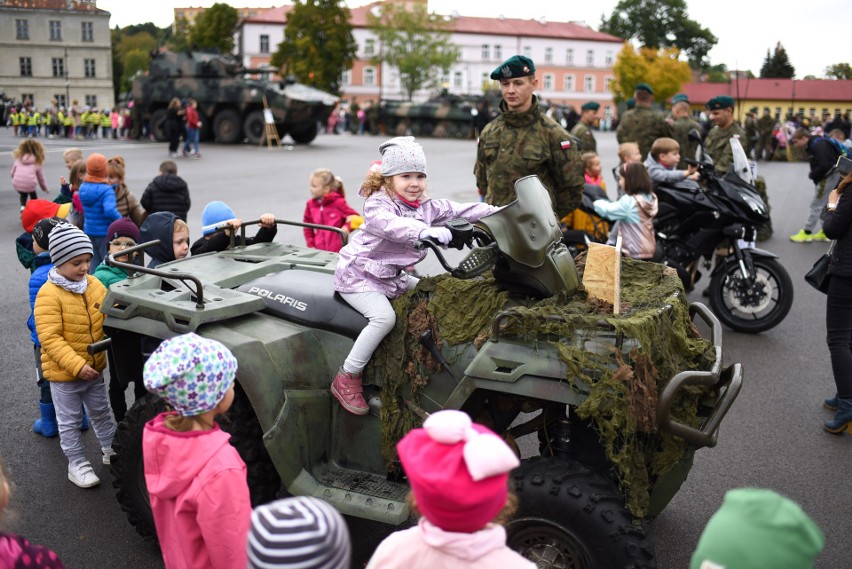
(58, 121)
(458, 471)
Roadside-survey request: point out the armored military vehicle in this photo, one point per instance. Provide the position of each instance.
(445, 116)
(230, 103)
(615, 406)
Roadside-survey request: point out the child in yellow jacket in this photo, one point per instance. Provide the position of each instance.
(68, 318)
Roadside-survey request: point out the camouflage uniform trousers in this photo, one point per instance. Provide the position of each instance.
(515, 145)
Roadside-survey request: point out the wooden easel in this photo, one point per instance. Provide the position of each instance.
(270, 132)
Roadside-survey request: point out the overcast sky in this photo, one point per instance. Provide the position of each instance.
(814, 38)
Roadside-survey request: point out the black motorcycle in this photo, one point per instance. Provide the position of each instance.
(714, 227)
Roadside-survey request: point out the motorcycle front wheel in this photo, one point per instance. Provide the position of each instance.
(751, 306)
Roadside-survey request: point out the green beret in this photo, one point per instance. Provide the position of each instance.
(643, 87)
(753, 110)
(720, 102)
(680, 98)
(631, 102)
(590, 106)
(515, 66)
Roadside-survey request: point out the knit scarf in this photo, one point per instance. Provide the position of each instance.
(77, 287)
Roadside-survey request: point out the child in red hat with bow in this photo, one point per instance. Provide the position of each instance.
(458, 473)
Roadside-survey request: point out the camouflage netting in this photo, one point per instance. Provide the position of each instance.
(659, 342)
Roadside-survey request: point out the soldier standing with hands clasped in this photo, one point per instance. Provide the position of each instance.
(522, 141)
(582, 131)
(718, 141)
(642, 125)
(682, 124)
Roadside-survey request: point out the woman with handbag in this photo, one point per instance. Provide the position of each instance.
(838, 319)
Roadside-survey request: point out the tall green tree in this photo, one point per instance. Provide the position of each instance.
(214, 28)
(660, 24)
(318, 43)
(839, 71)
(777, 65)
(415, 42)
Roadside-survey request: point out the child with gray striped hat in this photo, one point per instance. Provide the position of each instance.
(301, 532)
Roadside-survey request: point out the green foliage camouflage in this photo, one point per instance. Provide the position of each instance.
(659, 341)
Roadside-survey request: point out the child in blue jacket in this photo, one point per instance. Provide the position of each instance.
(99, 207)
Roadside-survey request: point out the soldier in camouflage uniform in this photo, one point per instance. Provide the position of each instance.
(682, 123)
(522, 141)
(642, 125)
(750, 131)
(582, 131)
(717, 144)
(765, 124)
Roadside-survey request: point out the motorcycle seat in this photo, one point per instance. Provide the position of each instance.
(307, 298)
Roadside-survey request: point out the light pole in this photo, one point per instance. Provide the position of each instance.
(67, 82)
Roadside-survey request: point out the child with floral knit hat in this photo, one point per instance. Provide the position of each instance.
(195, 478)
(459, 474)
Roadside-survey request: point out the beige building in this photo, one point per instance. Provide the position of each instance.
(56, 50)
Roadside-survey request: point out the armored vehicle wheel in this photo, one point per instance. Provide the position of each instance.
(304, 135)
(253, 126)
(158, 125)
(128, 471)
(572, 518)
(228, 127)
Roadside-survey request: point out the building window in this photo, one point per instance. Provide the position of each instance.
(548, 82)
(369, 76)
(569, 56)
(568, 83)
(26, 66)
(264, 43)
(484, 79)
(22, 29)
(346, 77)
(527, 51)
(548, 55)
(92, 101)
(486, 52)
(498, 53)
(607, 83)
(778, 112)
(88, 32)
(369, 47)
(60, 99)
(55, 30)
(89, 67)
(58, 65)
(590, 57)
(589, 84)
(609, 59)
(457, 80)
(27, 98)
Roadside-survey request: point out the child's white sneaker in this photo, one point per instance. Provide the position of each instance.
(108, 454)
(81, 474)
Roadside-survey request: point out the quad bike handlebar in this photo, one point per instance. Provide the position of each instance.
(479, 260)
(344, 237)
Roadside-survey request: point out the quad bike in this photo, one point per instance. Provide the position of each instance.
(274, 307)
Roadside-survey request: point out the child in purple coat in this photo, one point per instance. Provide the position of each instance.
(397, 213)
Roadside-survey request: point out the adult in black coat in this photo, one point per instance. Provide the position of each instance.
(822, 154)
(167, 192)
(838, 316)
(174, 125)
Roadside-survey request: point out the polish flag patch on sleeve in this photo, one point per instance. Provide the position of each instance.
(566, 144)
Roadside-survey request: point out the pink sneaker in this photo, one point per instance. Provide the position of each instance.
(346, 387)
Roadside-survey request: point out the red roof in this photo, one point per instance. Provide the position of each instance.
(467, 25)
(772, 90)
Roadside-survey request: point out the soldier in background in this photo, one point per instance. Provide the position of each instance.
(717, 144)
(765, 125)
(582, 131)
(682, 124)
(642, 125)
(521, 141)
(750, 141)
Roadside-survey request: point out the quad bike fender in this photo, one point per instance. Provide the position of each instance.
(526, 387)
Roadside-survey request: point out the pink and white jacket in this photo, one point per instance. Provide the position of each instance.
(373, 260)
(427, 546)
(199, 495)
(27, 175)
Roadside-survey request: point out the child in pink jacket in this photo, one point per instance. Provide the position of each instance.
(27, 173)
(195, 478)
(327, 206)
(459, 474)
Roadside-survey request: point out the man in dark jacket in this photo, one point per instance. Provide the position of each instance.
(167, 192)
(823, 152)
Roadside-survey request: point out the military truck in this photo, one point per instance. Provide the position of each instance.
(230, 102)
(615, 407)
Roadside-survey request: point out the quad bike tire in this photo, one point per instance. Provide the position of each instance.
(768, 270)
(570, 517)
(128, 469)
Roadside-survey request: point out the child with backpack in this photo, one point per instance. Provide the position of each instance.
(327, 206)
(634, 212)
(27, 172)
(195, 478)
